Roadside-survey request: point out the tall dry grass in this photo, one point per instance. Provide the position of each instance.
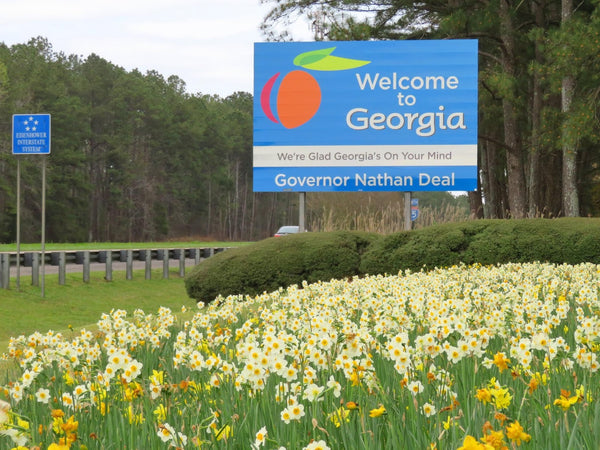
(369, 212)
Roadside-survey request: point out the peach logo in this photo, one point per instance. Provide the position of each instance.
(299, 94)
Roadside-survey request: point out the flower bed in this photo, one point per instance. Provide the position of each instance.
(463, 357)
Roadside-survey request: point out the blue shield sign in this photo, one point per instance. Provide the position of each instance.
(365, 116)
(31, 134)
(414, 209)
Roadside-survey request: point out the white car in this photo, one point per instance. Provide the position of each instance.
(288, 229)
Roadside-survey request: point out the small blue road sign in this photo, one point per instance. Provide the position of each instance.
(414, 209)
(31, 134)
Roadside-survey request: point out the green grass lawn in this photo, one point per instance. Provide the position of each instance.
(77, 304)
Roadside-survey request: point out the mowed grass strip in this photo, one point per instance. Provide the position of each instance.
(77, 304)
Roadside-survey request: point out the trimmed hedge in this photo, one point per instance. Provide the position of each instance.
(278, 262)
(275, 262)
(565, 240)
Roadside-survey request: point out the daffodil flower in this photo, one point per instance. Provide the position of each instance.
(377, 412)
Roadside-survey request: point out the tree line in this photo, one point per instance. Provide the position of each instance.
(539, 88)
(134, 157)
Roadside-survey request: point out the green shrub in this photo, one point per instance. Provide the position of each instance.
(267, 265)
(571, 240)
(275, 262)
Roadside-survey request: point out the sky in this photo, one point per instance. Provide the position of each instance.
(206, 43)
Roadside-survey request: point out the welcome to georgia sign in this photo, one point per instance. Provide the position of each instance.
(365, 116)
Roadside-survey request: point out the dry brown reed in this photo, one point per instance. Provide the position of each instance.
(370, 213)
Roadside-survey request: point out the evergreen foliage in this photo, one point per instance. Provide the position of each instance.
(538, 152)
(274, 263)
(134, 156)
(565, 240)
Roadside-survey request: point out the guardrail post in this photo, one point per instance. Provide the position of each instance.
(129, 265)
(108, 272)
(35, 269)
(4, 267)
(148, 259)
(86, 266)
(62, 268)
(85, 258)
(165, 257)
(182, 262)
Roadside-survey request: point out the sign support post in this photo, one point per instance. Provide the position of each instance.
(301, 221)
(43, 225)
(18, 223)
(31, 136)
(407, 221)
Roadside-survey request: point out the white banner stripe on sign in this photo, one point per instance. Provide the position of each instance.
(365, 155)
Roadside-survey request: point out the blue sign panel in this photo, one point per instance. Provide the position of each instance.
(365, 116)
(31, 134)
(414, 209)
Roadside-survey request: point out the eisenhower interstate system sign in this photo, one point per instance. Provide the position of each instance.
(365, 116)
(31, 134)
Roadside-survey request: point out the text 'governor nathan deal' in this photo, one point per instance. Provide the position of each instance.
(365, 116)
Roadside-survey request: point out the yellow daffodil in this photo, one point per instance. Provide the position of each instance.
(501, 398)
(70, 426)
(134, 418)
(352, 405)
(581, 392)
(470, 443)
(515, 433)
(501, 361)
(158, 377)
(355, 378)
(446, 423)
(23, 424)
(377, 412)
(500, 417)
(224, 433)
(339, 416)
(55, 446)
(493, 438)
(160, 412)
(533, 384)
(565, 401)
(484, 395)
(69, 380)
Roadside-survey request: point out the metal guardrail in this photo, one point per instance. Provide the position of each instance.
(86, 257)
